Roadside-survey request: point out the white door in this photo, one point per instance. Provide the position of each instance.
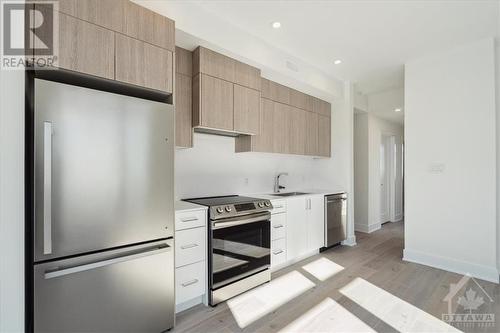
(384, 179)
(296, 228)
(316, 223)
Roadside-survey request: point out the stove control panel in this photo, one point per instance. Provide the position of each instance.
(223, 211)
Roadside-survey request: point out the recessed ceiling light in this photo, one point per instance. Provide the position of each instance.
(397, 110)
(338, 61)
(276, 25)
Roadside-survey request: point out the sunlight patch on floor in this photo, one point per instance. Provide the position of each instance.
(322, 268)
(397, 313)
(327, 316)
(256, 303)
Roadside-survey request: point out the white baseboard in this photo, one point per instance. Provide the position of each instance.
(350, 241)
(452, 265)
(188, 304)
(367, 228)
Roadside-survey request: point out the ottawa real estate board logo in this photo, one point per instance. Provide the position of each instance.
(469, 305)
(29, 35)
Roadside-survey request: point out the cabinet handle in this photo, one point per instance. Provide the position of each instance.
(184, 247)
(278, 226)
(186, 284)
(189, 219)
(277, 252)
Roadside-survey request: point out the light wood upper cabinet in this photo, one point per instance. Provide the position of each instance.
(148, 26)
(246, 75)
(297, 130)
(246, 110)
(85, 47)
(109, 14)
(321, 107)
(183, 61)
(183, 111)
(213, 103)
(281, 128)
(264, 141)
(143, 64)
(214, 64)
(311, 144)
(324, 136)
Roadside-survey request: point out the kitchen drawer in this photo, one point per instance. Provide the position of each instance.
(190, 246)
(190, 219)
(190, 282)
(279, 206)
(278, 252)
(278, 226)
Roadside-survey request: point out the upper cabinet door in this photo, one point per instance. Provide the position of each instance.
(281, 130)
(148, 26)
(85, 47)
(297, 130)
(183, 111)
(143, 64)
(247, 75)
(311, 133)
(321, 107)
(214, 64)
(264, 141)
(246, 110)
(324, 136)
(109, 14)
(216, 103)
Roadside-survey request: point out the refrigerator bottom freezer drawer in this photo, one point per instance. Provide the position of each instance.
(126, 290)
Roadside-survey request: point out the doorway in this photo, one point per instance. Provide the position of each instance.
(385, 178)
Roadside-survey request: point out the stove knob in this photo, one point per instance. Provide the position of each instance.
(268, 204)
(220, 210)
(261, 204)
(228, 209)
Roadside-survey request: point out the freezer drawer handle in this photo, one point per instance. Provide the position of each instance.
(277, 252)
(189, 219)
(76, 269)
(278, 226)
(190, 246)
(47, 187)
(186, 284)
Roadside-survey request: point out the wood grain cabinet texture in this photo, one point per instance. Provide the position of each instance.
(214, 64)
(246, 110)
(85, 47)
(212, 103)
(118, 40)
(312, 135)
(183, 98)
(247, 76)
(324, 136)
(143, 64)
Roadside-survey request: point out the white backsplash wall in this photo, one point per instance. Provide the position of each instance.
(213, 168)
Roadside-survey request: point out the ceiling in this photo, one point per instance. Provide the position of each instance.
(372, 38)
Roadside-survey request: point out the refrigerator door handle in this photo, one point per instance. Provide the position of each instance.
(47, 187)
(76, 269)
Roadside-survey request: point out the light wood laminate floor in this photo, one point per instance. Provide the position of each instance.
(375, 291)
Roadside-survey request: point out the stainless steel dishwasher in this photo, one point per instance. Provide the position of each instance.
(335, 218)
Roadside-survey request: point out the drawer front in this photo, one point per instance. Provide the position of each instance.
(278, 252)
(279, 206)
(191, 219)
(190, 282)
(278, 226)
(190, 246)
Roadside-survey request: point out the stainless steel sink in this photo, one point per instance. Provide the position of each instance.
(289, 194)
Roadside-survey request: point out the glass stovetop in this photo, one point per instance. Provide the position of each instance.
(223, 200)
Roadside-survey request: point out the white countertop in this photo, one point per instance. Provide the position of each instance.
(184, 206)
(270, 196)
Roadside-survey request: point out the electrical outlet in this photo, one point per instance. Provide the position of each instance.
(246, 181)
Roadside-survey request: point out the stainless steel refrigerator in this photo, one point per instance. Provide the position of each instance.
(104, 211)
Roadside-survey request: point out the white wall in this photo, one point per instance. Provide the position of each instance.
(11, 201)
(497, 84)
(450, 215)
(361, 170)
(212, 167)
(383, 104)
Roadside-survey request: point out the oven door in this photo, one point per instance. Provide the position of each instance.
(240, 247)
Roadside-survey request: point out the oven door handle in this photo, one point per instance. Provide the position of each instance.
(234, 221)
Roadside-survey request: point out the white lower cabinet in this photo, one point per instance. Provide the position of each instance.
(190, 282)
(305, 225)
(278, 252)
(190, 257)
